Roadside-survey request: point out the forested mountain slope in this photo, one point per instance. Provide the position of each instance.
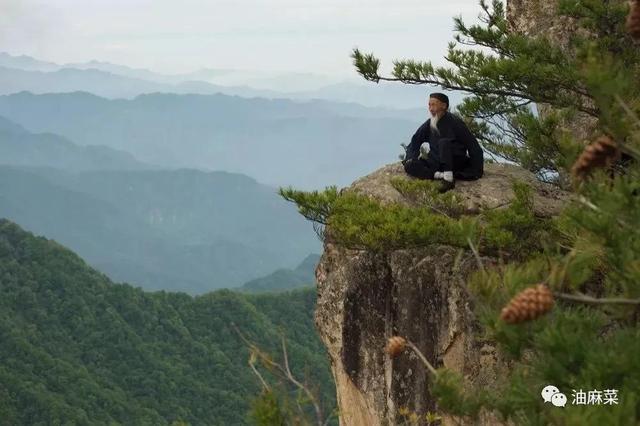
(77, 348)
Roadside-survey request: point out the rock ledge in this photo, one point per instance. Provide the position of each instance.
(365, 297)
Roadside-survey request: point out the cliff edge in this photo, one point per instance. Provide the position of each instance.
(365, 297)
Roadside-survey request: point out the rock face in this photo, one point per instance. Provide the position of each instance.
(365, 297)
(538, 18)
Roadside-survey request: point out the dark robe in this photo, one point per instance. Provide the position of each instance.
(452, 148)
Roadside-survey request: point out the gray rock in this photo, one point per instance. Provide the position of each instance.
(420, 293)
(494, 190)
(541, 19)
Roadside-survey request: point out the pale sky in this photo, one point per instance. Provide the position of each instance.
(184, 35)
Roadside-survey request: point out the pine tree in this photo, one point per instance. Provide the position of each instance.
(573, 317)
(566, 312)
(510, 77)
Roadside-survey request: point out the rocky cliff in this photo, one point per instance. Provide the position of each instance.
(538, 18)
(365, 297)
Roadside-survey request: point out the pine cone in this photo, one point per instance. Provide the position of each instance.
(633, 20)
(527, 305)
(601, 153)
(395, 346)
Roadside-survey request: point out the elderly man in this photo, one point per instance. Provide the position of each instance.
(454, 153)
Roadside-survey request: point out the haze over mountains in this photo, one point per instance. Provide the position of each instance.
(18, 73)
(278, 142)
(22, 148)
(175, 230)
(170, 181)
(325, 135)
(162, 229)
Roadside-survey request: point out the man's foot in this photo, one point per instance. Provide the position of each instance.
(446, 185)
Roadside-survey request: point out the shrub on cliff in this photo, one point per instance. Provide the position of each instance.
(357, 221)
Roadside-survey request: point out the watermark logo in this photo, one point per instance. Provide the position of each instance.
(553, 395)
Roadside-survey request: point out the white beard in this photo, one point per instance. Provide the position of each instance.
(434, 123)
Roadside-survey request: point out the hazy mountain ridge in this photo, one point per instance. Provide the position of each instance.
(108, 84)
(286, 279)
(26, 62)
(259, 80)
(117, 81)
(279, 142)
(182, 230)
(22, 148)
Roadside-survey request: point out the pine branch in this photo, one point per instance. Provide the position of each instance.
(283, 369)
(583, 298)
(476, 255)
(265, 385)
(422, 358)
(305, 389)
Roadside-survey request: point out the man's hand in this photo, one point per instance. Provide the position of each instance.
(403, 156)
(424, 151)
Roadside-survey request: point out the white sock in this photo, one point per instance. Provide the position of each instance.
(437, 175)
(448, 176)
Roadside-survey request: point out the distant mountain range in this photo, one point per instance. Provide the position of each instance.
(133, 179)
(286, 279)
(279, 142)
(22, 148)
(162, 229)
(24, 73)
(286, 81)
(108, 84)
(174, 230)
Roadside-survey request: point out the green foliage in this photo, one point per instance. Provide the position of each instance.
(361, 222)
(358, 221)
(515, 228)
(425, 192)
(412, 418)
(447, 387)
(78, 349)
(280, 406)
(590, 259)
(266, 410)
(315, 205)
(574, 347)
(513, 73)
(605, 219)
(568, 350)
